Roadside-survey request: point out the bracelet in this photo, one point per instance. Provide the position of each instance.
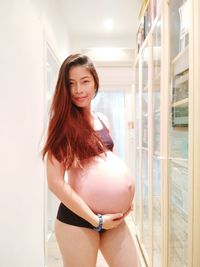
(100, 226)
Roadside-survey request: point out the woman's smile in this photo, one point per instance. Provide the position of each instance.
(80, 98)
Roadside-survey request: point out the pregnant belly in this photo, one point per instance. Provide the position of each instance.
(104, 184)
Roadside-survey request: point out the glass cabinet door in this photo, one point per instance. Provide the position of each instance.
(137, 205)
(156, 152)
(178, 134)
(144, 153)
(166, 157)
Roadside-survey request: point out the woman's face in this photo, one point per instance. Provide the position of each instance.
(82, 86)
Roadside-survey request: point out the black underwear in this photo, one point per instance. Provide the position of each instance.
(65, 215)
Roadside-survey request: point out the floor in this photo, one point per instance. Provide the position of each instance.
(54, 257)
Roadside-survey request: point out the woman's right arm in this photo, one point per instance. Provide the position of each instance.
(63, 191)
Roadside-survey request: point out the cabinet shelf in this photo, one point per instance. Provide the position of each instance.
(181, 62)
(145, 88)
(182, 162)
(180, 102)
(156, 155)
(156, 111)
(156, 79)
(182, 79)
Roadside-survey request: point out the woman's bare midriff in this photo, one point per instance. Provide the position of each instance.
(104, 183)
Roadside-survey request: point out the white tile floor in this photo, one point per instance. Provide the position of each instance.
(54, 258)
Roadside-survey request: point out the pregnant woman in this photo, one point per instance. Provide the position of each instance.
(99, 191)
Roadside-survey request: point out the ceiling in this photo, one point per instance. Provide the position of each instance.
(85, 22)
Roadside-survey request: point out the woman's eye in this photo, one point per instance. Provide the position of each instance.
(86, 81)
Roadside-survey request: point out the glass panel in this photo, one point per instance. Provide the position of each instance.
(144, 181)
(156, 89)
(179, 25)
(178, 239)
(145, 56)
(137, 106)
(180, 100)
(157, 223)
(137, 145)
(137, 190)
(145, 203)
(178, 135)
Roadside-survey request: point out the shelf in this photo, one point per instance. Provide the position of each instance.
(180, 102)
(156, 155)
(142, 148)
(145, 88)
(182, 79)
(182, 162)
(181, 62)
(156, 78)
(156, 111)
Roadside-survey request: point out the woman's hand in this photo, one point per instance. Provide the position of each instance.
(112, 220)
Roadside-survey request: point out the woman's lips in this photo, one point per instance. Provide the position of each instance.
(80, 98)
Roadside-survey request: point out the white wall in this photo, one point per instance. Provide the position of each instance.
(21, 126)
(115, 78)
(52, 17)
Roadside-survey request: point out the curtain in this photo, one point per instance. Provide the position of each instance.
(112, 105)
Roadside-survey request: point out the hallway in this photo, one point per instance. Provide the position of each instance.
(147, 55)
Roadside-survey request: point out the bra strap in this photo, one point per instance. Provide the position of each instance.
(102, 123)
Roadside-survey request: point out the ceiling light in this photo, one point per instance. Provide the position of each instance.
(106, 54)
(108, 24)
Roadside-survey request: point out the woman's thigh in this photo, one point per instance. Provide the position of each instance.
(78, 245)
(118, 248)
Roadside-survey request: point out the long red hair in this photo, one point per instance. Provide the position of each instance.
(70, 135)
